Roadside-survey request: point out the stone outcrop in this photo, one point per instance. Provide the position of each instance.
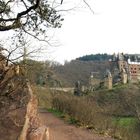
(33, 129)
(18, 106)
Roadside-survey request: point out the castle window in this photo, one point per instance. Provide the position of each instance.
(135, 72)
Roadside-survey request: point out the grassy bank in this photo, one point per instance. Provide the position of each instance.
(101, 112)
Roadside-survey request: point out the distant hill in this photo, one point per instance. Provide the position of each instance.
(95, 57)
(76, 70)
(81, 68)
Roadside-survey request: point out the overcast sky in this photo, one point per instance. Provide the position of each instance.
(114, 27)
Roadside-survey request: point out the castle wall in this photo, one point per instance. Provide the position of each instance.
(134, 72)
(124, 78)
(108, 82)
(122, 65)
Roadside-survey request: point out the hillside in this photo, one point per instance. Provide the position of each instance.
(76, 70)
(81, 68)
(95, 57)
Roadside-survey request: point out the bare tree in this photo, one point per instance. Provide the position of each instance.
(33, 17)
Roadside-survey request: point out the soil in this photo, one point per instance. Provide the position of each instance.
(60, 130)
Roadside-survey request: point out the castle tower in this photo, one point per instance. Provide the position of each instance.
(122, 63)
(124, 76)
(108, 80)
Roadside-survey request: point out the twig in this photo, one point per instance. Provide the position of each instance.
(88, 6)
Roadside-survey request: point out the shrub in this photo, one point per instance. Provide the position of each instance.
(81, 109)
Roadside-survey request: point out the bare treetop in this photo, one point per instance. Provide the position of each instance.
(28, 15)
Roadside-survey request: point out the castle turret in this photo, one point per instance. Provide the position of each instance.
(108, 80)
(114, 58)
(122, 64)
(124, 76)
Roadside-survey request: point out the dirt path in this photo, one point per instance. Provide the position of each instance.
(59, 130)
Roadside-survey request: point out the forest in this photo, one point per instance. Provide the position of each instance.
(95, 57)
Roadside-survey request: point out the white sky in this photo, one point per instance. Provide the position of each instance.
(115, 27)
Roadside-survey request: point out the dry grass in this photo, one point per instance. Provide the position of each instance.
(44, 96)
(87, 112)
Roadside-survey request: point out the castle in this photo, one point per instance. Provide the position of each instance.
(129, 67)
(125, 69)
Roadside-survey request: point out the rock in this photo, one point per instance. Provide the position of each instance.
(40, 133)
(18, 107)
(33, 129)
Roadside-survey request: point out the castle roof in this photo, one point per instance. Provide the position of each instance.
(131, 58)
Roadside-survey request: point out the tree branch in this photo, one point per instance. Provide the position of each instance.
(42, 40)
(17, 22)
(5, 7)
(88, 6)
